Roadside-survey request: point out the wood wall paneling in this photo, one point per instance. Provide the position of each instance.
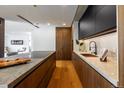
(121, 44)
(63, 43)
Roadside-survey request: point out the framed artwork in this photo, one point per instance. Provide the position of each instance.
(16, 42)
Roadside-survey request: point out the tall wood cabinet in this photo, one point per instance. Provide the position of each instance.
(63, 43)
(2, 37)
(121, 44)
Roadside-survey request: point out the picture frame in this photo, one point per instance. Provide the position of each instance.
(16, 42)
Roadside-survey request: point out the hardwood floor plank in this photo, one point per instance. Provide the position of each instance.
(64, 76)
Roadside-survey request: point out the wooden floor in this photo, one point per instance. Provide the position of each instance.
(64, 76)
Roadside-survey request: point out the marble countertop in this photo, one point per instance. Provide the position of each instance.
(10, 76)
(108, 70)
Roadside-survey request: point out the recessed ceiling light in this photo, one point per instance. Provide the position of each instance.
(64, 24)
(48, 24)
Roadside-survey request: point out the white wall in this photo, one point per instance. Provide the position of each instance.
(17, 36)
(109, 41)
(44, 38)
(17, 31)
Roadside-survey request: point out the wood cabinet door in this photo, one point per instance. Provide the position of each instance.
(2, 23)
(121, 44)
(63, 43)
(89, 77)
(40, 76)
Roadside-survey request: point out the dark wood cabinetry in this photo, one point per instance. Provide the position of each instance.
(121, 44)
(89, 77)
(97, 19)
(2, 22)
(63, 43)
(40, 76)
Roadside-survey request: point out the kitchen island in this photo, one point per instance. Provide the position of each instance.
(32, 74)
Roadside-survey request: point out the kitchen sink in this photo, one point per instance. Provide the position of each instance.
(88, 55)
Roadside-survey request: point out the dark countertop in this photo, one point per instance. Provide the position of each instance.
(10, 76)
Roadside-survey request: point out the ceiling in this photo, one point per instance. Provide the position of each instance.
(40, 14)
(80, 12)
